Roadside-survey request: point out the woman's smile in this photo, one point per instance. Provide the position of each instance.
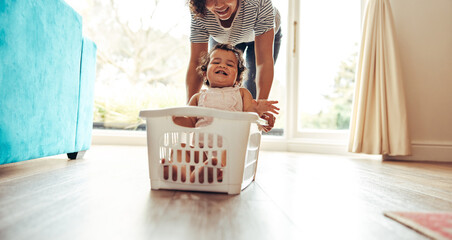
(223, 9)
(222, 12)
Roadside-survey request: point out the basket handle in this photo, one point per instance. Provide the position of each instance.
(192, 111)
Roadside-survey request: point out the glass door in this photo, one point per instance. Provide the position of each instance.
(329, 32)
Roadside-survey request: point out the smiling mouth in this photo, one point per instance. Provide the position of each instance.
(221, 72)
(222, 12)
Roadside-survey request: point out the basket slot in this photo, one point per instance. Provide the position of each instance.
(195, 175)
(169, 155)
(187, 156)
(209, 139)
(196, 156)
(249, 171)
(173, 169)
(202, 138)
(251, 156)
(215, 175)
(192, 168)
(165, 140)
(161, 153)
(224, 177)
(170, 173)
(220, 141)
(254, 141)
(192, 156)
(215, 155)
(209, 172)
(184, 170)
(204, 173)
(224, 157)
(188, 137)
(173, 139)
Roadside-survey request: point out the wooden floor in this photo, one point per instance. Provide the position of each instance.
(107, 195)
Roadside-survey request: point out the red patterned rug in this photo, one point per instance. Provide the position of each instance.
(436, 225)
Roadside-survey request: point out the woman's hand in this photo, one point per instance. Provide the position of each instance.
(265, 109)
(270, 121)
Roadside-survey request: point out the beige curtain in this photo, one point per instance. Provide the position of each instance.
(379, 118)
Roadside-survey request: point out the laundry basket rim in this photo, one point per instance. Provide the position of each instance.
(192, 111)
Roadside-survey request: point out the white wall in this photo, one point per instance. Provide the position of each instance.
(424, 33)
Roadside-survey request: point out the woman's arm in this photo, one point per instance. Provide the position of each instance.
(193, 81)
(264, 63)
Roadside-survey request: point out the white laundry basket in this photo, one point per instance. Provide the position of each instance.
(176, 154)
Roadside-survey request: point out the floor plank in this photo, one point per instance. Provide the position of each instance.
(107, 195)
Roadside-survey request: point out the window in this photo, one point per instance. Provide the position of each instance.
(142, 56)
(143, 53)
(329, 32)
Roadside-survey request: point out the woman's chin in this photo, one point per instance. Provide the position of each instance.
(224, 17)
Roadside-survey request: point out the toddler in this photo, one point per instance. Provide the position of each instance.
(222, 70)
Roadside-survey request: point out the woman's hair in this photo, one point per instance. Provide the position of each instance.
(198, 7)
(205, 60)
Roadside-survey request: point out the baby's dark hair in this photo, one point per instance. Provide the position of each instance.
(198, 7)
(205, 60)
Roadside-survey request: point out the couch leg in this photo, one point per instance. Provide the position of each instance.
(76, 155)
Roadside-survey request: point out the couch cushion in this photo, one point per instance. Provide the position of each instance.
(40, 45)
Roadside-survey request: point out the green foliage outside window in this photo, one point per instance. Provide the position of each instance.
(337, 115)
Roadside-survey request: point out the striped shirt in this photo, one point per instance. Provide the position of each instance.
(253, 18)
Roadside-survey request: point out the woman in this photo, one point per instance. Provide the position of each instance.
(249, 25)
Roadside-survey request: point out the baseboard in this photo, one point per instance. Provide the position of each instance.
(118, 137)
(305, 146)
(424, 151)
(268, 143)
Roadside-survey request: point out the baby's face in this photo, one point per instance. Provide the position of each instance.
(222, 69)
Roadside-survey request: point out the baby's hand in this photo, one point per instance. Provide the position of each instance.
(265, 106)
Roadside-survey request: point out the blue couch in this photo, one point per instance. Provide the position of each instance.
(47, 73)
